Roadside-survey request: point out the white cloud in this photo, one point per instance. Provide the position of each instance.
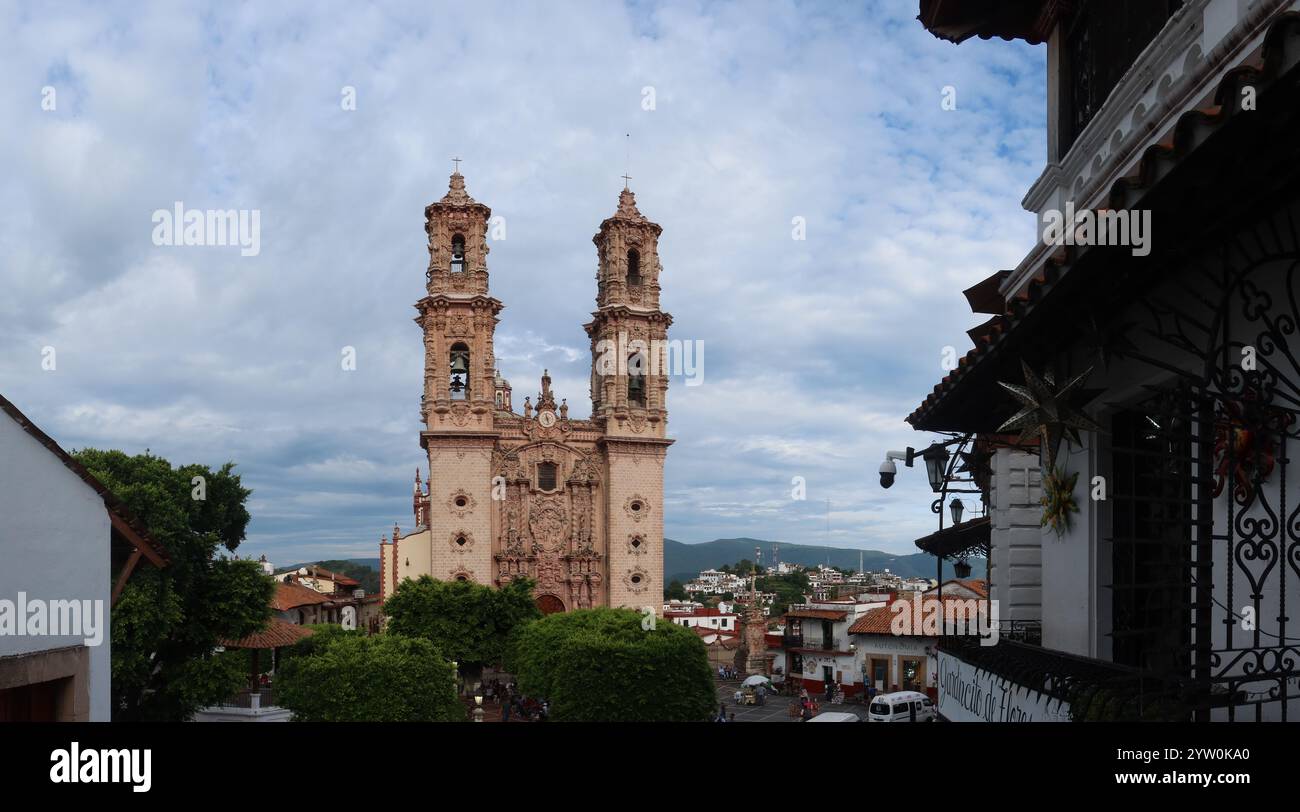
(815, 349)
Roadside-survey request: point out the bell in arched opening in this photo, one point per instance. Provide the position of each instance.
(458, 385)
(457, 254)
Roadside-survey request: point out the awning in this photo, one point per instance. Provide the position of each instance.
(1194, 179)
(959, 541)
(958, 20)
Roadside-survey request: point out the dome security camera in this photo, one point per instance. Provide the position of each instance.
(888, 470)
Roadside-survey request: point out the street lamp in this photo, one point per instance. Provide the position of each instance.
(961, 569)
(936, 459)
(956, 507)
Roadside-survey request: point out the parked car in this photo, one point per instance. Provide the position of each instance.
(901, 706)
(835, 716)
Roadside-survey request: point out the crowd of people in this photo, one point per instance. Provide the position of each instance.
(514, 703)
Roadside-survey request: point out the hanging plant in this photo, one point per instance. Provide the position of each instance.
(1058, 500)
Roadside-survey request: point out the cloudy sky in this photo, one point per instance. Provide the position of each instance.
(815, 349)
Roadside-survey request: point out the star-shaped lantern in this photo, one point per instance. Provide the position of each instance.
(1047, 413)
(1110, 342)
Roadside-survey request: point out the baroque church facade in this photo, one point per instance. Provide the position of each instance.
(576, 505)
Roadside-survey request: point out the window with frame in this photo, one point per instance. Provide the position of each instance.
(547, 476)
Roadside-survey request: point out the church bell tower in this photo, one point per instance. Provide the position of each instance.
(629, 392)
(459, 318)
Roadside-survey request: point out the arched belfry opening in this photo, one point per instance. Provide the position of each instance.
(633, 268)
(458, 253)
(458, 382)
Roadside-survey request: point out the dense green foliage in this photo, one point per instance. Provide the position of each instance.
(349, 677)
(469, 623)
(601, 665)
(675, 591)
(790, 588)
(167, 622)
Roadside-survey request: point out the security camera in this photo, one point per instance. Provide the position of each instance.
(887, 473)
(888, 470)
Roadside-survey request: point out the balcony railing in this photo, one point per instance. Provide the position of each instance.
(1022, 631)
(1096, 689)
(244, 699)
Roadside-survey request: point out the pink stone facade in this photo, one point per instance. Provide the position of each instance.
(576, 505)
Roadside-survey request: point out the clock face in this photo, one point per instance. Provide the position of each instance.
(546, 418)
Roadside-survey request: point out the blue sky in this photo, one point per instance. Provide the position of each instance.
(815, 350)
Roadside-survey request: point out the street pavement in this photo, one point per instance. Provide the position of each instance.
(776, 709)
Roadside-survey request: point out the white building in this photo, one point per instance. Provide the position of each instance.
(63, 537)
(817, 645)
(703, 618)
(1166, 587)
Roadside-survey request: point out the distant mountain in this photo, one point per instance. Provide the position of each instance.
(684, 561)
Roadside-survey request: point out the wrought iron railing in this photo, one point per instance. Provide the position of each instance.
(244, 699)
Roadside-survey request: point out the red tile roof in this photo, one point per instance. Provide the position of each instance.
(880, 620)
(277, 635)
(977, 585)
(290, 596)
(338, 578)
(817, 614)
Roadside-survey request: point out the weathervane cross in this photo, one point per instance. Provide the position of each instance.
(625, 178)
(457, 162)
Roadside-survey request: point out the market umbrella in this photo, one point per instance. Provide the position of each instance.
(756, 680)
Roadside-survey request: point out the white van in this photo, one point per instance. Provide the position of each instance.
(901, 706)
(835, 716)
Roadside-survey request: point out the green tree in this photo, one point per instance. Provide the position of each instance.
(467, 622)
(167, 623)
(355, 678)
(789, 589)
(675, 591)
(602, 665)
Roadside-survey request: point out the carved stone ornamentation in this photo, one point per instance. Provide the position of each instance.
(547, 521)
(460, 504)
(462, 541)
(637, 579)
(518, 487)
(636, 507)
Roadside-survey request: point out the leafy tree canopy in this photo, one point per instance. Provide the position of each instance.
(350, 677)
(167, 622)
(602, 665)
(469, 623)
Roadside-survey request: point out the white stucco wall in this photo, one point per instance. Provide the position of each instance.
(1015, 538)
(54, 545)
